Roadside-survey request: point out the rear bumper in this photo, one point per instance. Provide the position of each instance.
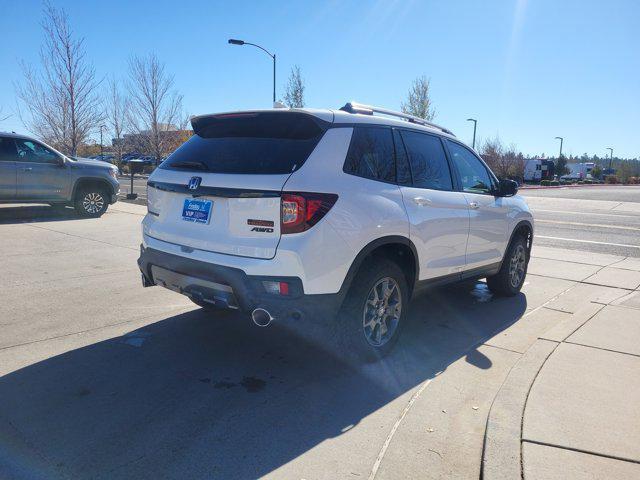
(228, 287)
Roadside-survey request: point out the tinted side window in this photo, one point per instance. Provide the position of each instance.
(29, 151)
(371, 154)
(428, 161)
(403, 171)
(8, 152)
(473, 174)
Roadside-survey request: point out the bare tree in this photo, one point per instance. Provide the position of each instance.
(5, 117)
(505, 162)
(155, 106)
(294, 93)
(419, 100)
(61, 98)
(116, 113)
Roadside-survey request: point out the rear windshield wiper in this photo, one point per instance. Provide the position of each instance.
(192, 164)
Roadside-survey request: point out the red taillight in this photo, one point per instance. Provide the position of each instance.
(301, 211)
(276, 288)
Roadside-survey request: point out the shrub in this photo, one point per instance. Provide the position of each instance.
(554, 183)
(544, 183)
(611, 179)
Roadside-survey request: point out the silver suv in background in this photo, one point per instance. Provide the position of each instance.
(32, 172)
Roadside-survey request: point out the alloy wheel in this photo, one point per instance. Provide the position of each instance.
(93, 202)
(382, 311)
(517, 266)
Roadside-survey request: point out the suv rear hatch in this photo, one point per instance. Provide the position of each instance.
(220, 191)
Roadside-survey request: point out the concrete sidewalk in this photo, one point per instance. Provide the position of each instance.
(570, 407)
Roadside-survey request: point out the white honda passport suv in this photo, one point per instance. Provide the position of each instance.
(324, 216)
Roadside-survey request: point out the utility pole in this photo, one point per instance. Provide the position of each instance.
(101, 127)
(561, 139)
(475, 123)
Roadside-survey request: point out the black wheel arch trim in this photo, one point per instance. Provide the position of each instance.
(84, 180)
(368, 249)
(521, 223)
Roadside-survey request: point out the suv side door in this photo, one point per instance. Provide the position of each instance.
(41, 172)
(438, 214)
(8, 155)
(489, 220)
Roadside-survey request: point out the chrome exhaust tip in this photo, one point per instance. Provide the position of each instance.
(261, 317)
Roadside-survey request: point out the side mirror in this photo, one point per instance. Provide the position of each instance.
(508, 188)
(61, 161)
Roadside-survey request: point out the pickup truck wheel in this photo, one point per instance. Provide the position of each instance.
(374, 311)
(91, 202)
(509, 280)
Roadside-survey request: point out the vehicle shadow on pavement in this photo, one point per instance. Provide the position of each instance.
(36, 213)
(211, 396)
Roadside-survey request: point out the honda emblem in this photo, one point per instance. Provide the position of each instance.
(194, 183)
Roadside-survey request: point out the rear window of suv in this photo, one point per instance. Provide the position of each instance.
(248, 143)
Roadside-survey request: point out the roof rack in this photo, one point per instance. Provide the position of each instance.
(354, 107)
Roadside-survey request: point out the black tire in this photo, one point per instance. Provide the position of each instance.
(509, 280)
(91, 202)
(354, 339)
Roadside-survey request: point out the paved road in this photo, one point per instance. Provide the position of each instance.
(101, 378)
(615, 193)
(139, 187)
(597, 219)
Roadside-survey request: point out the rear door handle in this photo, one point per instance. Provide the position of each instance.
(27, 169)
(474, 205)
(422, 201)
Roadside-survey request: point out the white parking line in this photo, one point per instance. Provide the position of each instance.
(588, 241)
(597, 225)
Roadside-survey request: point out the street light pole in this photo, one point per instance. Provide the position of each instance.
(561, 139)
(475, 123)
(234, 41)
(101, 127)
(610, 157)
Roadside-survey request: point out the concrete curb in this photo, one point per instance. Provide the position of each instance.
(501, 455)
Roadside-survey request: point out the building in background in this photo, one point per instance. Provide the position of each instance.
(537, 169)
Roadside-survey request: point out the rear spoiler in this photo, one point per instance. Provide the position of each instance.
(260, 123)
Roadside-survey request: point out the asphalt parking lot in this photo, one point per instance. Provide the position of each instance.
(101, 378)
(599, 219)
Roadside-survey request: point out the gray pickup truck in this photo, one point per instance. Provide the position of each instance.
(32, 172)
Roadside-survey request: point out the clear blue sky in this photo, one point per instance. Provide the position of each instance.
(527, 70)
